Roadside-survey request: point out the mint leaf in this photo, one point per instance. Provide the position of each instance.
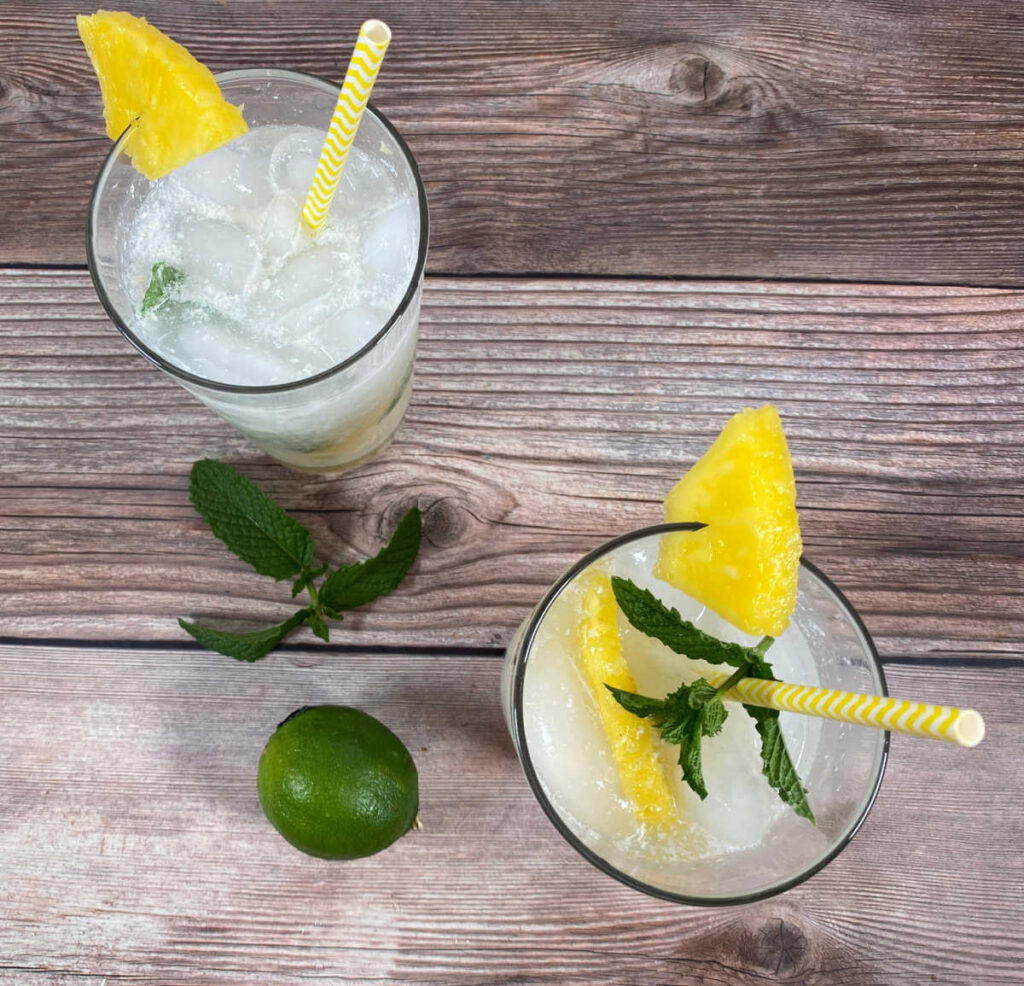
(776, 763)
(715, 715)
(690, 755)
(318, 626)
(354, 585)
(652, 617)
(700, 693)
(250, 646)
(161, 284)
(639, 705)
(248, 521)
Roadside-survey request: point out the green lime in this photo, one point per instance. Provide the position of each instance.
(337, 783)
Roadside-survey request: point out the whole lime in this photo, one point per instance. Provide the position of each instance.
(337, 783)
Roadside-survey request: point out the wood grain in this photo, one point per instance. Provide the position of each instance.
(132, 845)
(855, 140)
(547, 417)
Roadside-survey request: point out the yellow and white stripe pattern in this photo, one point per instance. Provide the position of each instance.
(943, 722)
(373, 41)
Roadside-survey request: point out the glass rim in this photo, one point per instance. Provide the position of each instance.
(275, 388)
(522, 747)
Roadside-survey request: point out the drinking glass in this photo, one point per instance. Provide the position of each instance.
(335, 419)
(842, 778)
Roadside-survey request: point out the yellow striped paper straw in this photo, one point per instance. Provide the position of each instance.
(962, 726)
(373, 41)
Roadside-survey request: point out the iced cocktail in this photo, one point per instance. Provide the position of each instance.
(305, 344)
(740, 843)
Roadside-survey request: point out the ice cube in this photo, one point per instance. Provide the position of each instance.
(212, 346)
(343, 333)
(305, 277)
(389, 240)
(293, 162)
(282, 225)
(217, 255)
(226, 177)
(367, 187)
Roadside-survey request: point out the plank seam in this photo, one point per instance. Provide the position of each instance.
(15, 265)
(964, 660)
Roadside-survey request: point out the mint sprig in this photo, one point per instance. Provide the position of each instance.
(684, 718)
(162, 282)
(695, 711)
(262, 534)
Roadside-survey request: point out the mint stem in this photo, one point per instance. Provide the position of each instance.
(741, 672)
(314, 596)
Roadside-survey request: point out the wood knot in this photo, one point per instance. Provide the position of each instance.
(781, 947)
(443, 521)
(696, 79)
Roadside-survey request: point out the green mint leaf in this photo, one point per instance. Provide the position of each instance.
(248, 521)
(652, 617)
(700, 693)
(690, 756)
(162, 282)
(714, 718)
(317, 625)
(639, 705)
(776, 763)
(250, 646)
(354, 585)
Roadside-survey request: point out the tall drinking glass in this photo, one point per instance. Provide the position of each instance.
(560, 745)
(334, 419)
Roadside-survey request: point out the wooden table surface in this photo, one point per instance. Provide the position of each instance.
(644, 218)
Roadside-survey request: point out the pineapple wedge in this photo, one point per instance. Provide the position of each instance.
(146, 78)
(601, 661)
(744, 564)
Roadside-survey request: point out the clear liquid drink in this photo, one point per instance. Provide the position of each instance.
(306, 344)
(741, 842)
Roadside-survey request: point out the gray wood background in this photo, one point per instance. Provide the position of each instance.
(644, 219)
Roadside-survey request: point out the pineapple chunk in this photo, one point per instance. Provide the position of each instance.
(151, 81)
(744, 565)
(600, 656)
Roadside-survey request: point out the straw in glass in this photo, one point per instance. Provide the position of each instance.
(943, 722)
(373, 41)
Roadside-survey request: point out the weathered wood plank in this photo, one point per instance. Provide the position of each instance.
(547, 416)
(861, 140)
(132, 844)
